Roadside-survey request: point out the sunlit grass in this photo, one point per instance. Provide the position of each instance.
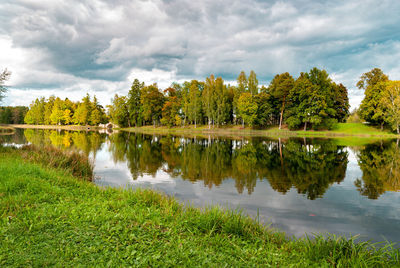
(48, 217)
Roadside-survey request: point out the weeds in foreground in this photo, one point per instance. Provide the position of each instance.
(75, 162)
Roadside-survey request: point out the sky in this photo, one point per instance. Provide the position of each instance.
(70, 48)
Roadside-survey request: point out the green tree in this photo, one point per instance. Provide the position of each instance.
(247, 108)
(95, 117)
(371, 109)
(35, 115)
(312, 100)
(221, 99)
(81, 114)
(48, 110)
(97, 114)
(118, 111)
(134, 105)
(4, 76)
(194, 102)
(241, 88)
(280, 87)
(252, 83)
(57, 114)
(265, 109)
(341, 104)
(152, 101)
(391, 103)
(208, 99)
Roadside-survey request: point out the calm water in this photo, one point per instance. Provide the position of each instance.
(297, 185)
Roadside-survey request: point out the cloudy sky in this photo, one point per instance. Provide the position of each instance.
(68, 48)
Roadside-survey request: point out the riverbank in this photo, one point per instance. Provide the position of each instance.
(49, 217)
(340, 130)
(69, 127)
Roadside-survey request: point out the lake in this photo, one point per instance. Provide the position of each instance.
(297, 185)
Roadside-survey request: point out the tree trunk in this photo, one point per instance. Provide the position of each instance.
(195, 123)
(209, 123)
(280, 153)
(382, 126)
(398, 130)
(242, 123)
(305, 126)
(283, 107)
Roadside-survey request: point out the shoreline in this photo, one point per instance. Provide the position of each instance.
(344, 131)
(69, 127)
(273, 132)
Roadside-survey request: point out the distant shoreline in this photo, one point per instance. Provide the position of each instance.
(69, 127)
(341, 130)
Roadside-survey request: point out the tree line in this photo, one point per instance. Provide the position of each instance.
(55, 111)
(312, 101)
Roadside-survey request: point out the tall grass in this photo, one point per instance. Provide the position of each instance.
(74, 162)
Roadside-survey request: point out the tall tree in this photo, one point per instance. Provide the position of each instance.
(194, 102)
(280, 87)
(247, 108)
(223, 107)
(170, 110)
(391, 101)
(242, 82)
(57, 114)
(208, 99)
(238, 90)
(48, 110)
(265, 109)
(152, 101)
(35, 114)
(252, 83)
(118, 111)
(4, 76)
(134, 106)
(371, 109)
(341, 104)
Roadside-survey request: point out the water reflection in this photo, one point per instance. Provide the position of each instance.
(311, 166)
(380, 164)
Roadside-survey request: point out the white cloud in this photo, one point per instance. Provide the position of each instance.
(96, 45)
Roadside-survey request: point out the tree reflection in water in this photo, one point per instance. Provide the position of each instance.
(380, 164)
(310, 166)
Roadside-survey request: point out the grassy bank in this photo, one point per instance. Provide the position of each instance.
(49, 217)
(340, 130)
(69, 127)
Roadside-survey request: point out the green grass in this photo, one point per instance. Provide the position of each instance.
(48, 217)
(340, 130)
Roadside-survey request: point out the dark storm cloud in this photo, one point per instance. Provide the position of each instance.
(71, 42)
